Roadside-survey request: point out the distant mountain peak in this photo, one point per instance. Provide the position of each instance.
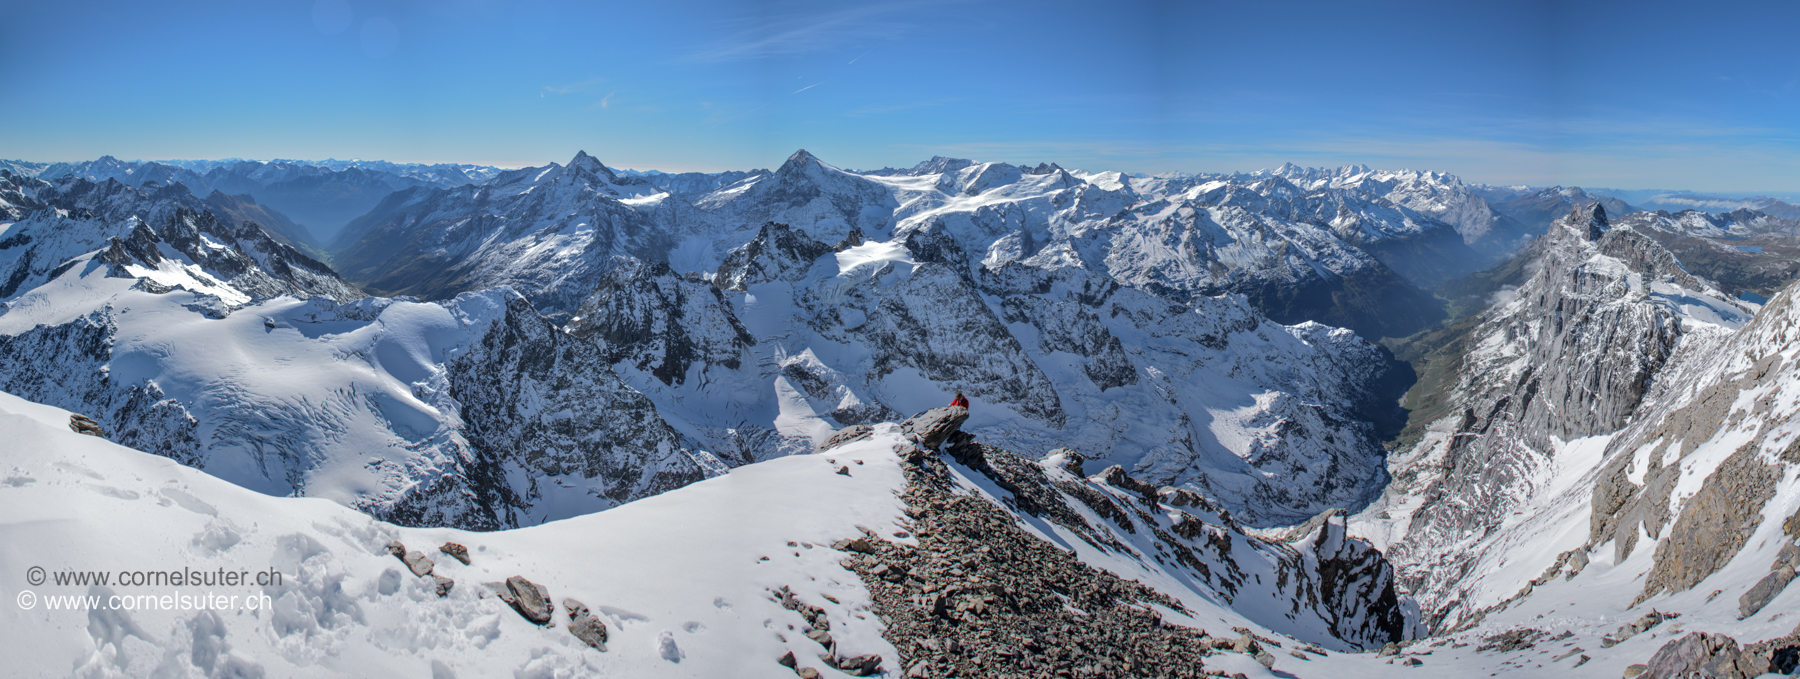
(584, 164)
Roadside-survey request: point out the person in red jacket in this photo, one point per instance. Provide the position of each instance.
(960, 401)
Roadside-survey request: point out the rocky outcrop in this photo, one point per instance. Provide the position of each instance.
(537, 400)
(931, 428)
(1322, 574)
(1717, 656)
(648, 317)
(1573, 355)
(1714, 524)
(979, 597)
(777, 253)
(61, 365)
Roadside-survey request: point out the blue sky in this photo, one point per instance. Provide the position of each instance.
(1625, 95)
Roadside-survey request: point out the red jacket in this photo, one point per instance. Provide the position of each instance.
(960, 401)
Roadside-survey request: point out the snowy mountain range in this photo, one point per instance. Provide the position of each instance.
(724, 390)
(319, 196)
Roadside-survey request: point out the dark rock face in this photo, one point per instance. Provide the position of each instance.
(776, 253)
(537, 399)
(935, 322)
(59, 366)
(646, 315)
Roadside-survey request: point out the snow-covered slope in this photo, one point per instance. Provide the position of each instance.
(719, 578)
(222, 350)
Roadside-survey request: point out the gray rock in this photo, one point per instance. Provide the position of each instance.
(850, 434)
(787, 660)
(1412, 662)
(861, 544)
(1578, 560)
(1764, 591)
(843, 471)
(860, 666)
(529, 599)
(1789, 557)
(933, 426)
(442, 585)
(1264, 658)
(397, 549)
(456, 551)
(420, 564)
(1714, 524)
(589, 629)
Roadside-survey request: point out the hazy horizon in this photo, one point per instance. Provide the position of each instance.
(1602, 94)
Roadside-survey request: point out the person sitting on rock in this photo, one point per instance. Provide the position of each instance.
(959, 401)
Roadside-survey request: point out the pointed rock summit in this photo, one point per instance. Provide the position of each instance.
(1597, 223)
(584, 164)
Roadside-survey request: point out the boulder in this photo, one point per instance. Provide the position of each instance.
(442, 585)
(397, 549)
(528, 598)
(1764, 591)
(456, 551)
(860, 665)
(933, 426)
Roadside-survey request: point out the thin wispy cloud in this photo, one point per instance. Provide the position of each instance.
(808, 87)
(811, 31)
(604, 103)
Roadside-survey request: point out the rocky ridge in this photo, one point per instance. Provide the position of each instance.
(970, 591)
(1573, 354)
